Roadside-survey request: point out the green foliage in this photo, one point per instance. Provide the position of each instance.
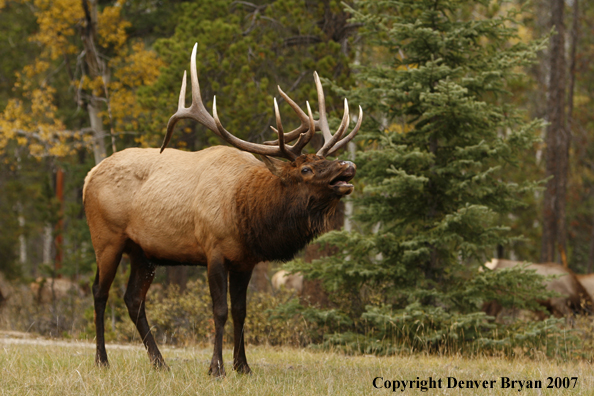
(422, 328)
(439, 132)
(430, 319)
(16, 24)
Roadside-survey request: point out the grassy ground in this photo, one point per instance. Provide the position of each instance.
(64, 369)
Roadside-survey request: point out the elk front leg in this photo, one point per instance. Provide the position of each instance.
(217, 281)
(142, 274)
(238, 284)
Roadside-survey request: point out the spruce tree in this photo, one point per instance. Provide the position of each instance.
(439, 133)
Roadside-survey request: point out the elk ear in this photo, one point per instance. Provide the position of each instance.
(274, 165)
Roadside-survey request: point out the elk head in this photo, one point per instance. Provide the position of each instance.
(314, 170)
(329, 178)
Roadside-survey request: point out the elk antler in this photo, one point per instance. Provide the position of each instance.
(198, 112)
(330, 141)
(295, 133)
(278, 148)
(282, 150)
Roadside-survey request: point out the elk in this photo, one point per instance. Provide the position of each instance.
(587, 281)
(573, 295)
(289, 281)
(219, 207)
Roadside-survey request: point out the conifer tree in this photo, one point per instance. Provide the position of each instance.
(439, 133)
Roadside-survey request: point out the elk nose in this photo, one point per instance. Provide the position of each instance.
(349, 163)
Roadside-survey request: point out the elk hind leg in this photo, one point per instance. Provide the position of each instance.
(217, 282)
(108, 260)
(238, 284)
(142, 273)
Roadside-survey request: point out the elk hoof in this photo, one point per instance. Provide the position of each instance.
(159, 364)
(101, 362)
(217, 372)
(242, 368)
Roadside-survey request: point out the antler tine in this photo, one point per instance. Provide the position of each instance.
(281, 134)
(304, 138)
(196, 111)
(181, 103)
(247, 146)
(295, 133)
(174, 118)
(343, 126)
(323, 121)
(350, 136)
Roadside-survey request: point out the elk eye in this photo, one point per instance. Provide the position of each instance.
(305, 170)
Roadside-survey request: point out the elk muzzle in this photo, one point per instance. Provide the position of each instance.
(340, 184)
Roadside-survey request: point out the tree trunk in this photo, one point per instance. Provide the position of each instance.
(59, 240)
(47, 243)
(22, 237)
(572, 65)
(348, 205)
(557, 146)
(98, 134)
(95, 67)
(591, 253)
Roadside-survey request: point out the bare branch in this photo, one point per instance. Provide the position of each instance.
(301, 40)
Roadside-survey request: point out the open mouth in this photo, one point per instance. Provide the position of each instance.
(340, 184)
(343, 179)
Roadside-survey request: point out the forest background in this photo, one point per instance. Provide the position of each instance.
(81, 79)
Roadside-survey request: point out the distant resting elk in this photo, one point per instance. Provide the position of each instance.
(290, 281)
(587, 281)
(219, 207)
(574, 297)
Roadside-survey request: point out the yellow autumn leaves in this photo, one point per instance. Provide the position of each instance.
(32, 118)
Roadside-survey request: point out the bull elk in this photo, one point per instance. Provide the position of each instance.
(219, 207)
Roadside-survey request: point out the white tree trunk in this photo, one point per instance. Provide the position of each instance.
(98, 133)
(22, 238)
(348, 206)
(48, 239)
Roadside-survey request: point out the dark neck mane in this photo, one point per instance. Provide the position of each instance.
(277, 220)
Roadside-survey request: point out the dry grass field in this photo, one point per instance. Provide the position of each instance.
(39, 367)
